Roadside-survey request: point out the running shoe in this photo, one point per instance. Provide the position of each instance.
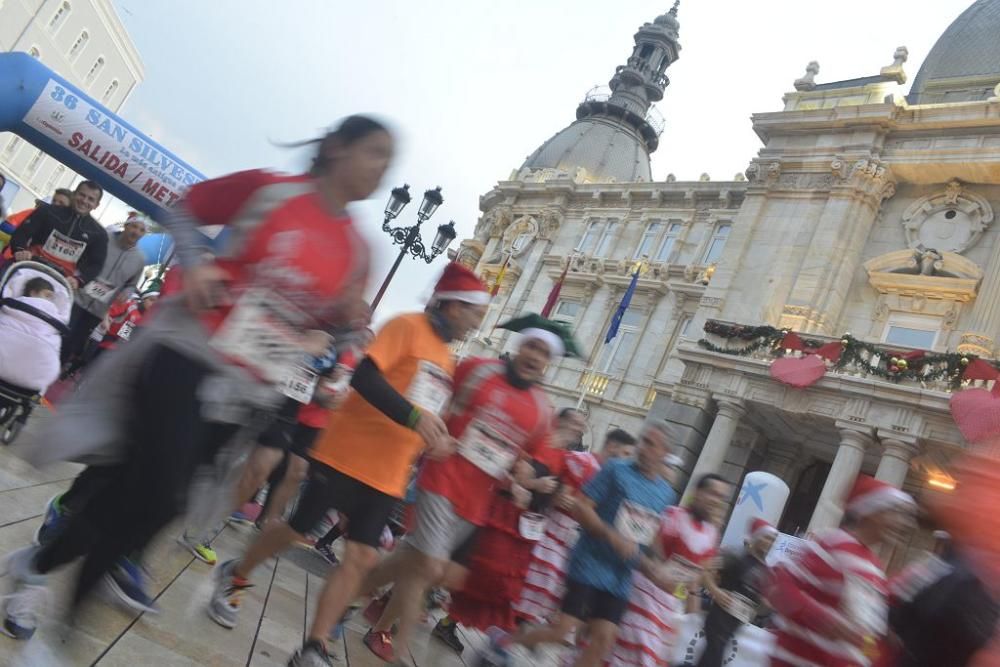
(335, 643)
(127, 581)
(24, 607)
(326, 551)
(446, 631)
(376, 608)
(54, 521)
(202, 551)
(380, 643)
(313, 654)
(224, 607)
(247, 514)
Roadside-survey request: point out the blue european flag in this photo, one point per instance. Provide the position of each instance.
(622, 307)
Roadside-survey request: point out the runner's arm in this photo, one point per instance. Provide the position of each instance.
(25, 234)
(372, 386)
(92, 260)
(192, 247)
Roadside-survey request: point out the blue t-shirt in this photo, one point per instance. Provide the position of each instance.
(622, 494)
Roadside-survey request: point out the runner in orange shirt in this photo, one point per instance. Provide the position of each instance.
(362, 462)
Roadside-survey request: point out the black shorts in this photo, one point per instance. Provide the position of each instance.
(367, 509)
(279, 433)
(462, 555)
(588, 603)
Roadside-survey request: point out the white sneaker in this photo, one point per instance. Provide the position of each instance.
(24, 607)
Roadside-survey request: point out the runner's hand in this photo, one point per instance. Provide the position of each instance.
(723, 599)
(22, 255)
(627, 549)
(205, 287)
(544, 485)
(565, 500)
(73, 282)
(445, 448)
(432, 431)
(315, 342)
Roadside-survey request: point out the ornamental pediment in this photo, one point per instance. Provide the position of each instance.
(926, 273)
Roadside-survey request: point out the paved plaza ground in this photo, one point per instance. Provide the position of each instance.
(275, 616)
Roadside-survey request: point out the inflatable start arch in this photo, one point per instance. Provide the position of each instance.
(58, 118)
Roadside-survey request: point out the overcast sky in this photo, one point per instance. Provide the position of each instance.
(472, 87)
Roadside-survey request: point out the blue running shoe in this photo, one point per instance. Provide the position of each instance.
(54, 521)
(127, 581)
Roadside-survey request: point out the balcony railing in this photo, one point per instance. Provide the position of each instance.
(858, 358)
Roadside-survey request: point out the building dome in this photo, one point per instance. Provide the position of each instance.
(964, 64)
(605, 150)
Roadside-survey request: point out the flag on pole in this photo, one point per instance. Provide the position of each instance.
(622, 307)
(499, 280)
(550, 303)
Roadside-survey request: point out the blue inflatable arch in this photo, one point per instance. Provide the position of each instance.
(58, 118)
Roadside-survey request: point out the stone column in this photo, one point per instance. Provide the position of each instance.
(854, 440)
(895, 463)
(713, 453)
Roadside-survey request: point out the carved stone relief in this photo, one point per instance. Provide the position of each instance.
(950, 220)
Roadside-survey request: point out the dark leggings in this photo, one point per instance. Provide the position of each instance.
(719, 629)
(81, 325)
(149, 489)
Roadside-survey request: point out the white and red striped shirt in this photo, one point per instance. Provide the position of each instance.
(834, 578)
(649, 627)
(545, 583)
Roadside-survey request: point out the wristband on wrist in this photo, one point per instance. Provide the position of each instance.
(413, 419)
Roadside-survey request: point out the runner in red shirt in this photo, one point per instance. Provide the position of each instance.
(291, 269)
(498, 415)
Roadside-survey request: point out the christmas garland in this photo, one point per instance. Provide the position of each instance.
(880, 361)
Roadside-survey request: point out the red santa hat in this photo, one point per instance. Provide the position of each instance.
(870, 495)
(760, 528)
(458, 283)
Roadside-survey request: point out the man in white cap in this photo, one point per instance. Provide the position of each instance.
(737, 589)
(361, 463)
(117, 280)
(498, 415)
(831, 602)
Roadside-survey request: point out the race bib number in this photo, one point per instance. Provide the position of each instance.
(430, 389)
(125, 330)
(300, 385)
(531, 526)
(98, 290)
(740, 607)
(258, 333)
(487, 450)
(61, 247)
(636, 523)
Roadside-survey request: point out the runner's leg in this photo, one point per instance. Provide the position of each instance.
(279, 496)
(601, 637)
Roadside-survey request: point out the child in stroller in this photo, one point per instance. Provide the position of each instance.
(35, 306)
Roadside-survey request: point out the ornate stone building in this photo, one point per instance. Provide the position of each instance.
(869, 209)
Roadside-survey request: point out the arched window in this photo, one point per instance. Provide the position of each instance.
(78, 45)
(59, 16)
(34, 52)
(12, 146)
(57, 173)
(96, 69)
(111, 90)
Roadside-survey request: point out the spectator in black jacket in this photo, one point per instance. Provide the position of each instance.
(68, 237)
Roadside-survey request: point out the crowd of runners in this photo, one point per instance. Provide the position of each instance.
(253, 390)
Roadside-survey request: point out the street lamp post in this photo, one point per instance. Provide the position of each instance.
(408, 238)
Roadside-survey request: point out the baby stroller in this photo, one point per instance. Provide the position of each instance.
(17, 403)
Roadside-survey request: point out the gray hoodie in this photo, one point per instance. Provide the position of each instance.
(121, 271)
